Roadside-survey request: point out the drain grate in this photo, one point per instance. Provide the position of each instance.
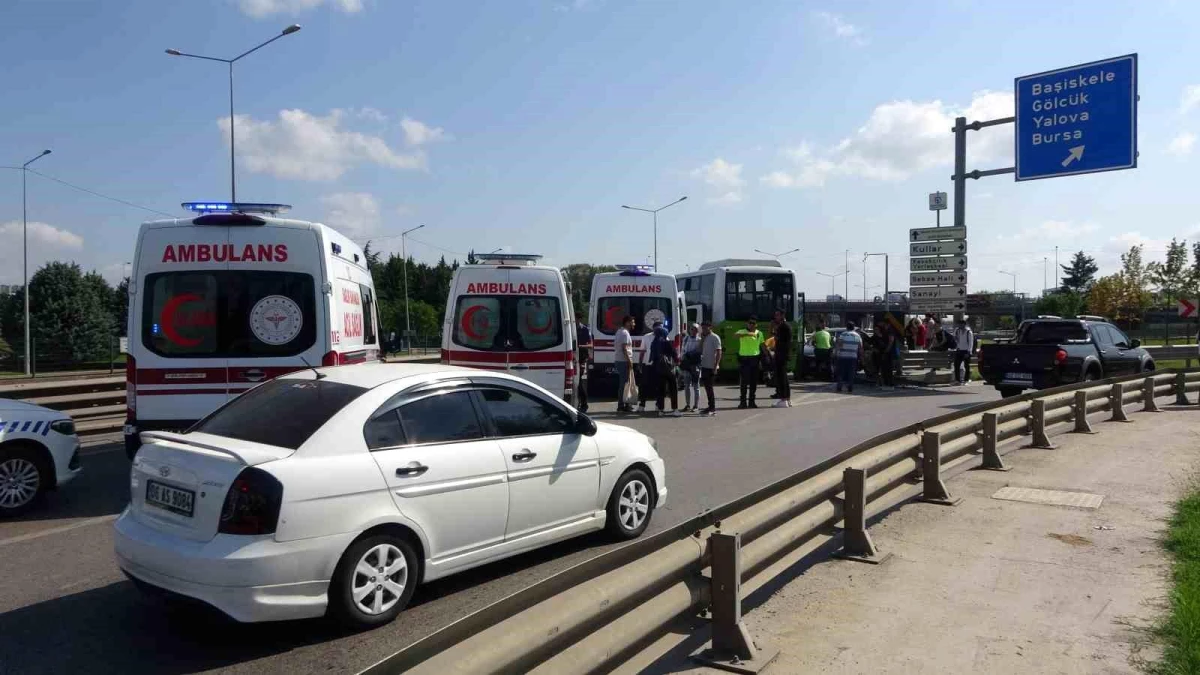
(1079, 500)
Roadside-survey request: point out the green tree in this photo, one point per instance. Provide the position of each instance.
(1080, 273)
(579, 276)
(1063, 303)
(1173, 276)
(119, 306)
(71, 315)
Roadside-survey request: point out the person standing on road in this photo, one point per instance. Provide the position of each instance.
(583, 341)
(822, 346)
(710, 364)
(663, 361)
(750, 342)
(887, 355)
(783, 353)
(623, 360)
(647, 377)
(964, 346)
(849, 349)
(690, 365)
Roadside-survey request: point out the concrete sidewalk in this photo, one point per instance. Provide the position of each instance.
(993, 586)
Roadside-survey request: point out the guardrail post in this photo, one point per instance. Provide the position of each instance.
(856, 541)
(991, 459)
(1037, 423)
(1117, 398)
(1181, 389)
(732, 647)
(1148, 402)
(935, 491)
(1081, 420)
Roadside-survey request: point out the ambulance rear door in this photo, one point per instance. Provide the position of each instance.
(275, 315)
(179, 374)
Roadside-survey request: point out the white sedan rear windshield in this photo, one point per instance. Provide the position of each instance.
(283, 413)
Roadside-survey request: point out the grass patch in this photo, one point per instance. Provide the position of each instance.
(1181, 630)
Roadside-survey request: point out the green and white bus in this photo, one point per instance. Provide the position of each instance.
(730, 291)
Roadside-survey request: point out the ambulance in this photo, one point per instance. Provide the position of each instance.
(233, 296)
(634, 290)
(510, 313)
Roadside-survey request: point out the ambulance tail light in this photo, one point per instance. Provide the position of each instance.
(130, 389)
(330, 359)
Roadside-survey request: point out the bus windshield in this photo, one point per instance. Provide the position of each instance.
(759, 294)
(507, 323)
(646, 311)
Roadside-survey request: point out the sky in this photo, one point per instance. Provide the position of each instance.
(524, 125)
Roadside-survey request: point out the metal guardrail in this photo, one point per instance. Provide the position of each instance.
(96, 401)
(591, 617)
(930, 360)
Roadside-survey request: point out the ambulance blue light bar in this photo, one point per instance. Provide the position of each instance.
(235, 207)
(635, 270)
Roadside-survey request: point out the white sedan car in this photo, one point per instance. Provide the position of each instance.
(339, 490)
(39, 451)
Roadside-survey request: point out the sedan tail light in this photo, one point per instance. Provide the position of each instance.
(252, 505)
(1060, 357)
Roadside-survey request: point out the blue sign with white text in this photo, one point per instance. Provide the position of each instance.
(1081, 119)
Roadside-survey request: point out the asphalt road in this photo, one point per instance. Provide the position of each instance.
(65, 606)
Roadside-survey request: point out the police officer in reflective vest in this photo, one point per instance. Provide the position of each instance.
(749, 342)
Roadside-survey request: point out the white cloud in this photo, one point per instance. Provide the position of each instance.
(1190, 99)
(841, 28)
(726, 177)
(1182, 144)
(417, 133)
(720, 173)
(901, 138)
(263, 8)
(728, 199)
(354, 214)
(302, 146)
(371, 114)
(46, 243)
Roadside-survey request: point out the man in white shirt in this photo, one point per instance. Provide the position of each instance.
(623, 360)
(964, 346)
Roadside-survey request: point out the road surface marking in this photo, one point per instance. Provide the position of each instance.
(58, 530)
(748, 419)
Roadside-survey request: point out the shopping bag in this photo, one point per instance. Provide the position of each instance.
(630, 396)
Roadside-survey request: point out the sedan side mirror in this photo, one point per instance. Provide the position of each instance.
(1135, 343)
(585, 425)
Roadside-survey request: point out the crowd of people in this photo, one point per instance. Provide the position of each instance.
(663, 369)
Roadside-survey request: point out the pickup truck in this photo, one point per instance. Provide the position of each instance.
(1048, 353)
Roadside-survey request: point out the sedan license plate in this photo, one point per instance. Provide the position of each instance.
(170, 498)
(1028, 377)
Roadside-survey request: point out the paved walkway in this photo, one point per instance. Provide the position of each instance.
(993, 586)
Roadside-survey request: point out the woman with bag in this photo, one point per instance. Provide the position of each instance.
(663, 360)
(690, 366)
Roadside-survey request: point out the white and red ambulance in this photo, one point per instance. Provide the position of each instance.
(233, 296)
(649, 297)
(510, 313)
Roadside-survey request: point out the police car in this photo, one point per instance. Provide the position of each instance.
(39, 451)
(396, 474)
(232, 296)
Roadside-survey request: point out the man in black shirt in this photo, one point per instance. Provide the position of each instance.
(783, 356)
(583, 341)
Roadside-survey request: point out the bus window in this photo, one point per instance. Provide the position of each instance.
(758, 295)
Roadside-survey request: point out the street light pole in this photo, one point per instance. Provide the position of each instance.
(232, 145)
(654, 212)
(404, 271)
(25, 258)
(886, 304)
(777, 256)
(1014, 278)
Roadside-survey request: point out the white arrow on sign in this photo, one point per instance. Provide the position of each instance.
(936, 278)
(937, 233)
(957, 262)
(938, 293)
(938, 248)
(937, 306)
(1076, 154)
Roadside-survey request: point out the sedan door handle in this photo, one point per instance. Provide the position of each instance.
(412, 469)
(524, 456)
